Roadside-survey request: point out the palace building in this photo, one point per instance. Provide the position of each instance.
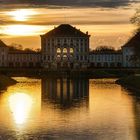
(3, 54)
(128, 51)
(105, 59)
(66, 47)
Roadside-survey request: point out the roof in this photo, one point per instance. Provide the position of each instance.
(66, 30)
(106, 52)
(2, 44)
(134, 41)
(22, 52)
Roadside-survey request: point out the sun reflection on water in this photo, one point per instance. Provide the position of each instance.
(20, 105)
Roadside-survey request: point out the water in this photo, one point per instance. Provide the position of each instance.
(69, 109)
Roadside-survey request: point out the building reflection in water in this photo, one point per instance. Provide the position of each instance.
(136, 110)
(65, 91)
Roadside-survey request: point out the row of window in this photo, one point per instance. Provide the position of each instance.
(49, 58)
(3, 50)
(65, 50)
(82, 58)
(24, 64)
(129, 58)
(106, 64)
(79, 58)
(106, 58)
(64, 57)
(64, 44)
(66, 40)
(58, 56)
(24, 57)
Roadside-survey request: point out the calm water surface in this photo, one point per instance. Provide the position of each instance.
(69, 109)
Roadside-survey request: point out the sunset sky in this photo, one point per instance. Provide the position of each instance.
(108, 21)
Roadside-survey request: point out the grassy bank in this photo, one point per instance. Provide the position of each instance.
(132, 81)
(6, 81)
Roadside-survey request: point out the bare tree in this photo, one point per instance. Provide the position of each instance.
(15, 46)
(136, 18)
(105, 49)
(135, 41)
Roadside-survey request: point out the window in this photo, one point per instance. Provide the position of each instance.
(77, 57)
(58, 50)
(77, 49)
(58, 40)
(64, 50)
(44, 57)
(71, 50)
(112, 58)
(49, 58)
(64, 56)
(65, 40)
(58, 56)
(2, 57)
(127, 58)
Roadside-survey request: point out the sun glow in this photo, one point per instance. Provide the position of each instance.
(20, 105)
(22, 14)
(23, 30)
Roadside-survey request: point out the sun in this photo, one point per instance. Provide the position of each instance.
(21, 14)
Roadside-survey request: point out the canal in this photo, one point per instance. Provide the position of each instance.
(69, 109)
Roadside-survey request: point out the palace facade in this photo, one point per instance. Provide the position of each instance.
(66, 47)
(105, 59)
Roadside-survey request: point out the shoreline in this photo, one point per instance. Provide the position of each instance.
(91, 73)
(131, 83)
(125, 76)
(6, 81)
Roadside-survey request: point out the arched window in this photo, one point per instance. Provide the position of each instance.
(71, 50)
(64, 50)
(58, 56)
(64, 56)
(58, 50)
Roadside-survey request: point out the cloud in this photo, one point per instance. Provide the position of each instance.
(90, 16)
(79, 3)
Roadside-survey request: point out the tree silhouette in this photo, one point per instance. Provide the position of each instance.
(136, 19)
(105, 49)
(135, 41)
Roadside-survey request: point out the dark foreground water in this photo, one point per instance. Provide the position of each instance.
(64, 109)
